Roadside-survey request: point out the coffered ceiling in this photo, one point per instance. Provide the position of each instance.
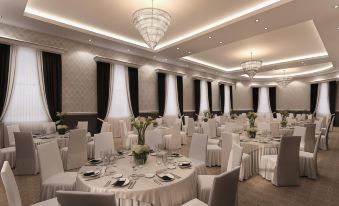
(300, 36)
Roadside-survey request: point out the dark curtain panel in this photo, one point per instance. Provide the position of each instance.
(273, 100)
(314, 97)
(134, 89)
(196, 97)
(209, 86)
(222, 97)
(332, 95)
(52, 69)
(103, 79)
(161, 92)
(255, 96)
(5, 51)
(180, 89)
(231, 97)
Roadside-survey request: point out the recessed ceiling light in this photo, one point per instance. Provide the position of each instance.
(154, 56)
(336, 6)
(338, 27)
(220, 42)
(189, 52)
(257, 20)
(266, 28)
(210, 37)
(128, 50)
(90, 40)
(178, 48)
(302, 62)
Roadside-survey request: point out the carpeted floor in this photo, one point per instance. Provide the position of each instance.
(254, 192)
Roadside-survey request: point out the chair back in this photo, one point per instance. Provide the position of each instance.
(190, 127)
(301, 132)
(159, 121)
(49, 127)
(226, 148)
(49, 160)
(11, 188)
(10, 131)
(279, 117)
(328, 126)
(225, 189)
(103, 142)
(123, 129)
(235, 157)
(274, 127)
(309, 141)
(212, 131)
(198, 147)
(105, 127)
(169, 120)
(230, 126)
(153, 138)
(186, 120)
(262, 126)
(175, 142)
(287, 169)
(72, 198)
(223, 119)
(83, 125)
(77, 149)
(317, 126)
(25, 155)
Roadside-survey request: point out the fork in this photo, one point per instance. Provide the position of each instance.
(107, 183)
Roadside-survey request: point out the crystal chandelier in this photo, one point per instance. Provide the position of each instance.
(284, 80)
(251, 67)
(152, 24)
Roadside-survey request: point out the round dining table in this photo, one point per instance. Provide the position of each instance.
(145, 189)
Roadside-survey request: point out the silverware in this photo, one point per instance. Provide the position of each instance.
(93, 178)
(107, 183)
(157, 182)
(132, 185)
(176, 176)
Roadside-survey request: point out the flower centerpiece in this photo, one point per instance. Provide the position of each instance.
(234, 116)
(252, 131)
(141, 150)
(60, 124)
(284, 115)
(207, 115)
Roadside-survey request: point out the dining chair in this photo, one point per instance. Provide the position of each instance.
(10, 131)
(308, 162)
(190, 127)
(262, 126)
(212, 131)
(7, 154)
(75, 155)
(309, 141)
(128, 137)
(83, 125)
(226, 147)
(223, 191)
(53, 176)
(282, 169)
(103, 142)
(198, 147)
(274, 128)
(279, 117)
(12, 190)
(173, 140)
(323, 144)
(105, 127)
(26, 161)
(72, 198)
(49, 127)
(300, 131)
(153, 138)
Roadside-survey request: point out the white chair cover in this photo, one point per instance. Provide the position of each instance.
(73, 198)
(262, 126)
(7, 154)
(274, 127)
(235, 157)
(230, 126)
(213, 155)
(169, 120)
(300, 131)
(308, 162)
(75, 155)
(309, 138)
(323, 144)
(198, 147)
(226, 148)
(212, 131)
(26, 162)
(173, 140)
(128, 138)
(83, 125)
(153, 138)
(53, 177)
(11, 188)
(10, 130)
(103, 142)
(279, 117)
(105, 127)
(190, 127)
(49, 127)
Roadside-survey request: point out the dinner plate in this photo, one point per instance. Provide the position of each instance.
(120, 182)
(153, 154)
(149, 175)
(118, 175)
(165, 177)
(171, 167)
(95, 161)
(91, 173)
(185, 164)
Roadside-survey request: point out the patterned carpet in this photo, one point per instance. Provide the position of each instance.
(254, 192)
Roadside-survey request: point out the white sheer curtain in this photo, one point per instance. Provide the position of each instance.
(203, 97)
(26, 102)
(323, 106)
(171, 99)
(227, 100)
(264, 101)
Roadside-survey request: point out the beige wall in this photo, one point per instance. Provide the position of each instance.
(295, 96)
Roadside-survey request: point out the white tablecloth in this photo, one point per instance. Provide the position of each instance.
(288, 131)
(146, 191)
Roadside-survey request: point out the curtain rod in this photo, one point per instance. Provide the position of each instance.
(111, 60)
(170, 72)
(227, 83)
(9, 40)
(203, 78)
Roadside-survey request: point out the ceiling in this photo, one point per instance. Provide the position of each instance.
(301, 36)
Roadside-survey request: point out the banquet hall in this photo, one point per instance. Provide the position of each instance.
(169, 102)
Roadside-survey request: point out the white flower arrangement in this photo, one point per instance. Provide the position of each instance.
(140, 149)
(62, 126)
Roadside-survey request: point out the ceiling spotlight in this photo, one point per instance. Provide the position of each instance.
(220, 42)
(154, 56)
(178, 48)
(266, 28)
(90, 40)
(210, 37)
(128, 50)
(302, 62)
(189, 52)
(257, 20)
(336, 6)
(338, 27)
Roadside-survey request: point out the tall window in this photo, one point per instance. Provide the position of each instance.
(323, 107)
(203, 97)
(119, 102)
(171, 105)
(26, 103)
(227, 96)
(264, 101)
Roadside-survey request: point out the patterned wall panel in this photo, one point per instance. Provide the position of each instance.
(295, 96)
(242, 96)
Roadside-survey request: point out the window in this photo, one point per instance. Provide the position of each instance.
(323, 108)
(171, 99)
(227, 106)
(203, 97)
(26, 103)
(264, 101)
(119, 106)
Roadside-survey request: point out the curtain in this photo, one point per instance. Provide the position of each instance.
(5, 51)
(313, 97)
(264, 104)
(161, 92)
(204, 103)
(180, 90)
(273, 100)
(103, 90)
(255, 95)
(227, 100)
(171, 98)
(133, 82)
(332, 95)
(231, 97)
(222, 97)
(52, 76)
(209, 85)
(196, 96)
(323, 105)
